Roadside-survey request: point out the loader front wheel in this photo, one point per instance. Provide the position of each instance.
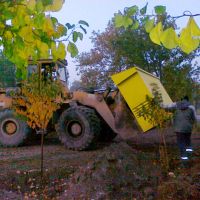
(78, 128)
(13, 131)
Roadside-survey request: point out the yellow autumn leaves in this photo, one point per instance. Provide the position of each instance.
(188, 39)
(152, 111)
(37, 109)
(37, 106)
(58, 51)
(31, 31)
(55, 5)
(159, 117)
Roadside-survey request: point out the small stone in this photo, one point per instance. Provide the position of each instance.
(171, 174)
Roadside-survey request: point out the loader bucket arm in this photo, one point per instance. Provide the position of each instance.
(99, 105)
(116, 118)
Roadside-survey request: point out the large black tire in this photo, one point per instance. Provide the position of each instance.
(78, 128)
(13, 131)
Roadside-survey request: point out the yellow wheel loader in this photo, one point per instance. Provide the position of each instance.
(83, 118)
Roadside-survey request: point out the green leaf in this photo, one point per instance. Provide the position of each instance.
(160, 10)
(54, 20)
(55, 6)
(143, 10)
(80, 35)
(54, 51)
(7, 14)
(19, 42)
(149, 25)
(118, 20)
(39, 6)
(69, 26)
(39, 19)
(8, 51)
(43, 50)
(127, 22)
(75, 36)
(47, 2)
(61, 51)
(72, 49)
(19, 73)
(132, 10)
(169, 38)
(145, 19)
(135, 25)
(64, 32)
(24, 74)
(84, 30)
(156, 33)
(121, 20)
(83, 23)
(31, 4)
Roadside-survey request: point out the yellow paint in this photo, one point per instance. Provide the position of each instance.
(149, 79)
(135, 84)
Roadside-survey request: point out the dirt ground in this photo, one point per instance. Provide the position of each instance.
(131, 169)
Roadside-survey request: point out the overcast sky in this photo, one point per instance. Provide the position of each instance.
(98, 12)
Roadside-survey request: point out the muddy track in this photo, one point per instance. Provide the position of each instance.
(19, 163)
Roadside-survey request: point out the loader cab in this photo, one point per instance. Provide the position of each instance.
(50, 70)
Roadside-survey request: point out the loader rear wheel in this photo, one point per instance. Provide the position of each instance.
(78, 128)
(13, 131)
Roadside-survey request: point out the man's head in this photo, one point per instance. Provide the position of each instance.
(184, 103)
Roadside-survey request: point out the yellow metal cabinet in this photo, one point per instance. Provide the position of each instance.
(135, 84)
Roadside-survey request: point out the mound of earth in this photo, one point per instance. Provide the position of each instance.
(117, 173)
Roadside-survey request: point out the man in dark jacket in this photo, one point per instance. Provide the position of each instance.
(184, 118)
